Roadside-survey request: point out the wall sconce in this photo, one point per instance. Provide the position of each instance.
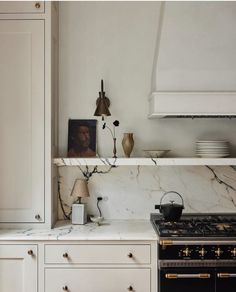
(102, 104)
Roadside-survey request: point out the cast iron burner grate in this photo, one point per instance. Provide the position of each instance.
(197, 225)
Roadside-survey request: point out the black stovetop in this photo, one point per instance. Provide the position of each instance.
(196, 225)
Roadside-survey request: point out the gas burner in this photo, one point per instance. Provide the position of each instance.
(197, 225)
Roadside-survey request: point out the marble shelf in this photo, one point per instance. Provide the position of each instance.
(143, 161)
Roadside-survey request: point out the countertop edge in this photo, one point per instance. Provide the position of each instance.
(111, 230)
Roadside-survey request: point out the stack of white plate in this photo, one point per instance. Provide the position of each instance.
(212, 148)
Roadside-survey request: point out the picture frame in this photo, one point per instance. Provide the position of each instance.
(82, 138)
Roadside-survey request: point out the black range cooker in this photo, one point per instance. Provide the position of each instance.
(197, 253)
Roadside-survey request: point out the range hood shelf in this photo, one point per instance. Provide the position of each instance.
(199, 116)
(192, 105)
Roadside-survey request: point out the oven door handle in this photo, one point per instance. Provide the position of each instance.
(188, 276)
(226, 275)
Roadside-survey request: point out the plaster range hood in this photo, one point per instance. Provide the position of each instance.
(194, 73)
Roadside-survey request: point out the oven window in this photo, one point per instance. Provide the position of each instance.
(187, 280)
(226, 280)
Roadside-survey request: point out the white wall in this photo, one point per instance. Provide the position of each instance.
(116, 41)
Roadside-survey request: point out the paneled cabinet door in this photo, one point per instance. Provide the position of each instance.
(18, 268)
(97, 280)
(22, 120)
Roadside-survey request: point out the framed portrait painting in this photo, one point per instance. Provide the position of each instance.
(82, 138)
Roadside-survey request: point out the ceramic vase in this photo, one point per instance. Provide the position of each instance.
(128, 143)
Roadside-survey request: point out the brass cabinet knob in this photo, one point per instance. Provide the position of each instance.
(37, 5)
(30, 252)
(65, 288)
(37, 217)
(65, 255)
(130, 288)
(130, 255)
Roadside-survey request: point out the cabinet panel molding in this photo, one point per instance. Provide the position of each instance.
(98, 254)
(18, 268)
(99, 280)
(22, 120)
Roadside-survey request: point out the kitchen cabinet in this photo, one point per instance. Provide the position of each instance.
(99, 280)
(21, 7)
(99, 254)
(22, 120)
(27, 81)
(18, 268)
(85, 258)
(101, 266)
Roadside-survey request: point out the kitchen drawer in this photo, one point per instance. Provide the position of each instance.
(15, 7)
(97, 254)
(97, 280)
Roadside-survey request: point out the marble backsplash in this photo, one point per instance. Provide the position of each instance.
(130, 192)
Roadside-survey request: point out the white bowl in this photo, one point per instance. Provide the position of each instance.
(156, 153)
(97, 220)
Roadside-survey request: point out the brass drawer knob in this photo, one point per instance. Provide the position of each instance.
(65, 288)
(37, 5)
(130, 255)
(37, 217)
(65, 255)
(30, 252)
(130, 288)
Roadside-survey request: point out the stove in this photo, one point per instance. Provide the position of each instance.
(197, 251)
(196, 225)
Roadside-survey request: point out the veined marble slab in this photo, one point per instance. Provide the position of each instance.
(130, 192)
(110, 230)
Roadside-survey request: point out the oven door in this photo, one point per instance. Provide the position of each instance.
(187, 279)
(226, 280)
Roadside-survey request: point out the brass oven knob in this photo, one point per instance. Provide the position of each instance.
(37, 5)
(65, 288)
(65, 255)
(202, 252)
(30, 252)
(130, 288)
(130, 255)
(218, 252)
(186, 252)
(233, 252)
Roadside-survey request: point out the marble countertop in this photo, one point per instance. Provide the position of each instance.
(64, 230)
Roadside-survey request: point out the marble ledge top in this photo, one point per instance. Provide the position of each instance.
(110, 230)
(143, 161)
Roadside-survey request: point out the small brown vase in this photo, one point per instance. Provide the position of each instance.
(128, 143)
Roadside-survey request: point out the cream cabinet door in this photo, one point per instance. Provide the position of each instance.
(21, 120)
(16, 7)
(97, 280)
(97, 253)
(18, 268)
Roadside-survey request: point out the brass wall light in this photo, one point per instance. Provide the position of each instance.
(102, 104)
